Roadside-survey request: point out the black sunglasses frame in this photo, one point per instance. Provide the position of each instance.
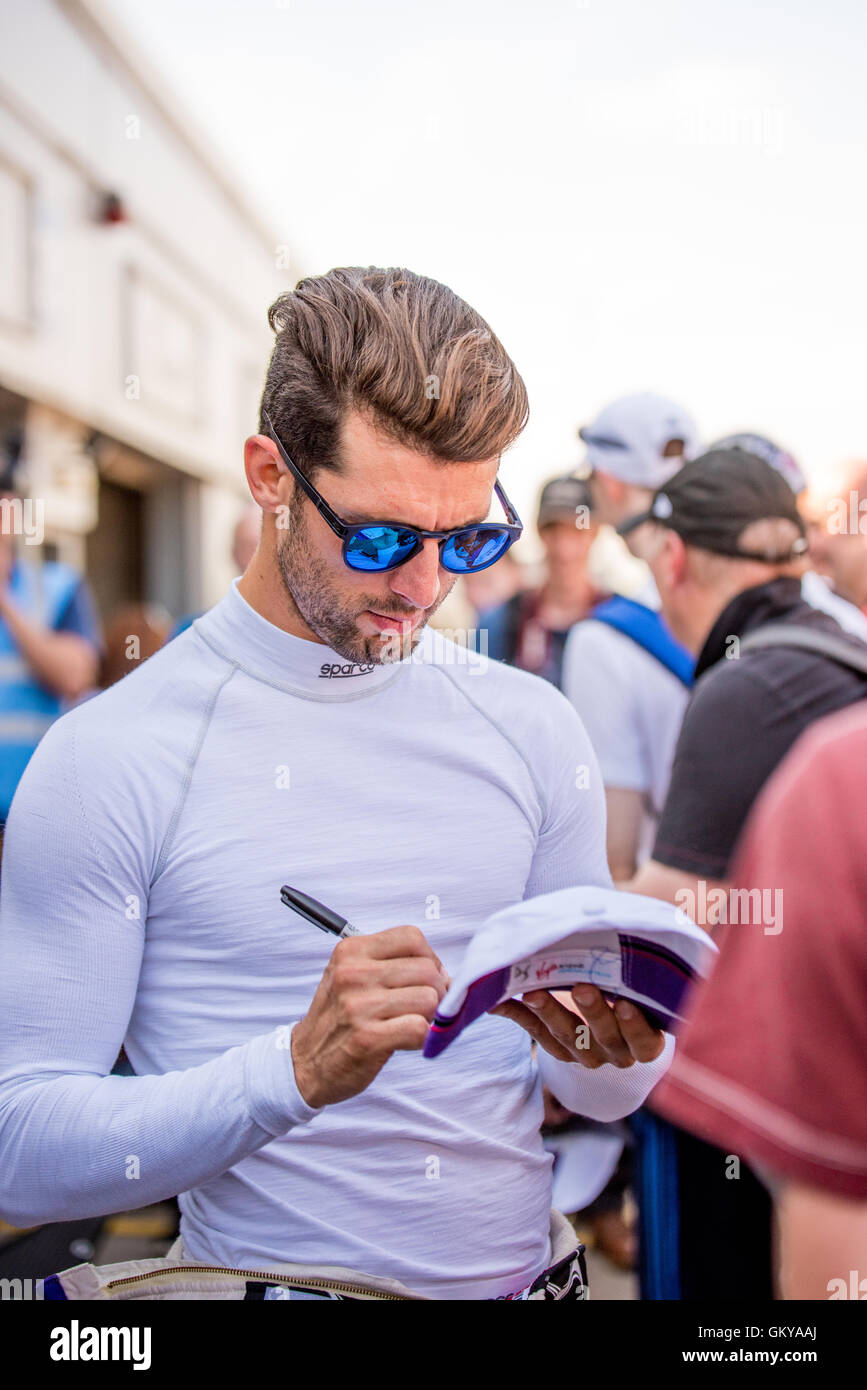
(346, 531)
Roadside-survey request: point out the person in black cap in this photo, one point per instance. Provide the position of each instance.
(530, 629)
(727, 556)
(827, 590)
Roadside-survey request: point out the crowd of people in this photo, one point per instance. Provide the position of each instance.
(57, 649)
(718, 710)
(727, 553)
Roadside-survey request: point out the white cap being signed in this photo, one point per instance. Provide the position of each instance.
(628, 945)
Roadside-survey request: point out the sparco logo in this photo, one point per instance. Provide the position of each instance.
(333, 668)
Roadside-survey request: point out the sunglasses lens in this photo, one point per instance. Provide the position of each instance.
(475, 549)
(378, 547)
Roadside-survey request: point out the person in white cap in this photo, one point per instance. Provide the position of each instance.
(631, 695)
(629, 680)
(634, 446)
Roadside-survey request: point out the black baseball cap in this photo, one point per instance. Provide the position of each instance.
(561, 498)
(713, 499)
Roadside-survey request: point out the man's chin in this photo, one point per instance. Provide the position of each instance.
(384, 648)
(393, 642)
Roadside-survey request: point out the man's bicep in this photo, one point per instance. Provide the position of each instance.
(571, 845)
(72, 913)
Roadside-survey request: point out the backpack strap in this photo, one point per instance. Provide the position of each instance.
(851, 653)
(648, 630)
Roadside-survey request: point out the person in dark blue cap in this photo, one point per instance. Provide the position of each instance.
(530, 629)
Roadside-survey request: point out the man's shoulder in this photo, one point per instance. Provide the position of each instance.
(498, 690)
(117, 762)
(757, 673)
(731, 678)
(601, 648)
(158, 706)
(592, 636)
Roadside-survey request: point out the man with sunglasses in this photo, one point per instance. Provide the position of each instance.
(286, 738)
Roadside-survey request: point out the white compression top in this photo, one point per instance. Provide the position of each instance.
(140, 905)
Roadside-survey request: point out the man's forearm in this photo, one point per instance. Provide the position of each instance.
(608, 1092)
(703, 900)
(822, 1236)
(74, 1145)
(63, 661)
(625, 809)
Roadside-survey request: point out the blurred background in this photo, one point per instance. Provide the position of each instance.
(637, 197)
(665, 198)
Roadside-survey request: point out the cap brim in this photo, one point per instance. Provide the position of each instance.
(558, 514)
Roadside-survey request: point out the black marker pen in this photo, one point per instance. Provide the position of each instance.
(315, 912)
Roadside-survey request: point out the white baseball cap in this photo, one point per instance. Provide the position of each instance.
(630, 946)
(628, 438)
(764, 448)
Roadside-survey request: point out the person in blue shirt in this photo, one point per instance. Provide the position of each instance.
(49, 643)
(245, 540)
(530, 629)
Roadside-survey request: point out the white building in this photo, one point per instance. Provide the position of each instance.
(132, 351)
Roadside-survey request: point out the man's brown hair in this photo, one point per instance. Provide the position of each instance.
(403, 349)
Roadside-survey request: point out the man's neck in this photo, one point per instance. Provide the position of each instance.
(260, 586)
(765, 600)
(565, 597)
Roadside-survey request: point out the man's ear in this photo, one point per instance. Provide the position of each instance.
(669, 559)
(269, 482)
(675, 557)
(616, 488)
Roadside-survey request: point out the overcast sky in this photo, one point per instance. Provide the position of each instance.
(666, 196)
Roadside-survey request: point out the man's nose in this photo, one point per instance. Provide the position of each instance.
(418, 581)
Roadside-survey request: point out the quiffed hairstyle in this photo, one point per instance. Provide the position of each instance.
(399, 347)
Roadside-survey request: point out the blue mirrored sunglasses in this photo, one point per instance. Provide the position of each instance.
(376, 547)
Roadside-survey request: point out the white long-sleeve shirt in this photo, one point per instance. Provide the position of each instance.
(140, 905)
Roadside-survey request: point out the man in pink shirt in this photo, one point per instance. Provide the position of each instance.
(773, 1063)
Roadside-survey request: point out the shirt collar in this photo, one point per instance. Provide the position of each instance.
(752, 608)
(239, 633)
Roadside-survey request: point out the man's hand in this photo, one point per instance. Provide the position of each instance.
(378, 995)
(620, 1034)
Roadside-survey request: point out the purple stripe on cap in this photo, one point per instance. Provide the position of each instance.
(647, 968)
(660, 974)
(482, 995)
(53, 1289)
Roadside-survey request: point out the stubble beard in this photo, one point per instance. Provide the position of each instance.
(307, 583)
